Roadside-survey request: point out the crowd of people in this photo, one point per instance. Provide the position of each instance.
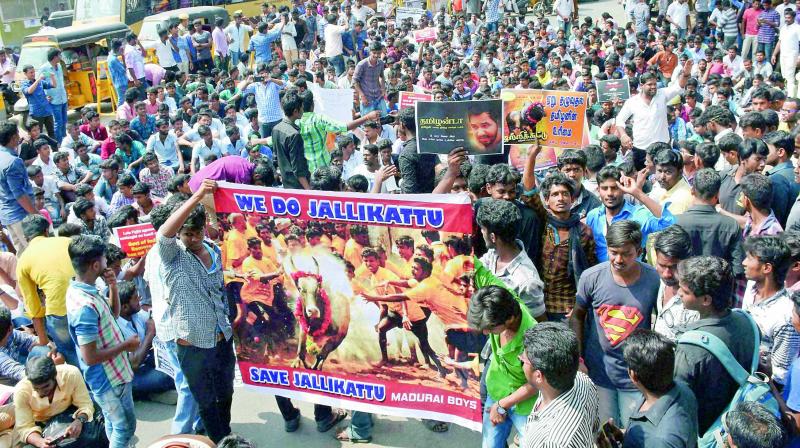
(593, 280)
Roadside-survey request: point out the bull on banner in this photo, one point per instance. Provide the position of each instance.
(354, 300)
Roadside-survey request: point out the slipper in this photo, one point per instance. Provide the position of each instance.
(346, 436)
(337, 416)
(436, 426)
(292, 425)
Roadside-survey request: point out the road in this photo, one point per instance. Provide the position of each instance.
(256, 417)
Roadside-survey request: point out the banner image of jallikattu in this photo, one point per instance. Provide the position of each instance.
(475, 125)
(354, 300)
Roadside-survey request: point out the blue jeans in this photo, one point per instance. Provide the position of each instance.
(766, 47)
(58, 331)
(361, 425)
(338, 63)
(120, 93)
(147, 380)
(379, 105)
(187, 413)
(496, 436)
(617, 404)
(265, 129)
(491, 27)
(235, 55)
(117, 406)
(60, 116)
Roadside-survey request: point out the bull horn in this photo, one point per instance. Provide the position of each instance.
(316, 264)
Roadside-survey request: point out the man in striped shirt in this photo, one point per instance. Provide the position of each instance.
(566, 411)
(314, 129)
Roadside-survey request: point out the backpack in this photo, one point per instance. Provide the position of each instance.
(753, 386)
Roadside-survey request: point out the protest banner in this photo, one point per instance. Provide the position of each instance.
(409, 99)
(326, 284)
(425, 35)
(136, 240)
(613, 89)
(405, 12)
(554, 118)
(474, 125)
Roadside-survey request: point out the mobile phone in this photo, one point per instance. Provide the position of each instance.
(609, 432)
(59, 438)
(258, 78)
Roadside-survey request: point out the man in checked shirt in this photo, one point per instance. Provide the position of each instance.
(192, 273)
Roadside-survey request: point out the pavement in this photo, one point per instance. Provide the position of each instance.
(255, 415)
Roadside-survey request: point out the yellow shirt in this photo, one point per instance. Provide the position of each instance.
(337, 244)
(679, 197)
(352, 252)
(454, 268)
(235, 248)
(451, 309)
(270, 252)
(399, 266)
(31, 408)
(46, 265)
(253, 290)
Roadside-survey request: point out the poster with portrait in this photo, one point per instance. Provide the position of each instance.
(354, 300)
(475, 125)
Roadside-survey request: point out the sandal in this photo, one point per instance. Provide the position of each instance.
(337, 416)
(346, 436)
(436, 426)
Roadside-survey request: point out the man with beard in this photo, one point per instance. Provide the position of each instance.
(567, 243)
(485, 129)
(672, 245)
(650, 107)
(612, 186)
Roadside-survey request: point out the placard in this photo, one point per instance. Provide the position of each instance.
(475, 125)
(409, 99)
(425, 35)
(551, 117)
(405, 12)
(613, 89)
(136, 240)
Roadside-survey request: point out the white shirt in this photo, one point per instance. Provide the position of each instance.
(349, 166)
(678, 12)
(8, 65)
(363, 12)
(389, 185)
(164, 54)
(649, 120)
(333, 40)
(287, 37)
(790, 40)
(736, 66)
(201, 151)
(48, 169)
(564, 8)
(237, 33)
